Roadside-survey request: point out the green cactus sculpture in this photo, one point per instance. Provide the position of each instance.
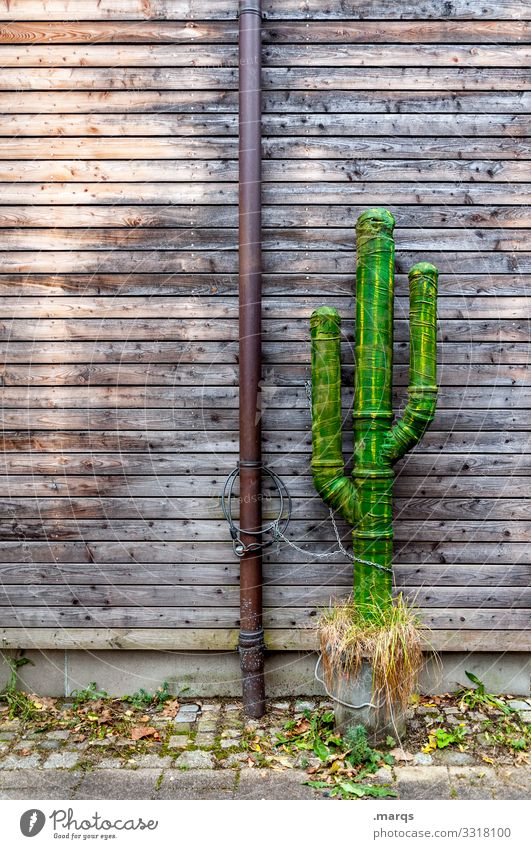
(365, 499)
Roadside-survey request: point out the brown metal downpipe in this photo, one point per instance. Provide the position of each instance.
(251, 642)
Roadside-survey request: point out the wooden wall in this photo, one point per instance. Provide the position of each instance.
(119, 311)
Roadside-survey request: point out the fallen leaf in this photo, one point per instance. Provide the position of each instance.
(144, 718)
(486, 759)
(170, 708)
(401, 755)
(140, 731)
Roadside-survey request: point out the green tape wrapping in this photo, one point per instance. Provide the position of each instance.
(365, 499)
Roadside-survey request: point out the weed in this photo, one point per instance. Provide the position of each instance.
(441, 738)
(89, 694)
(477, 696)
(142, 699)
(345, 761)
(20, 705)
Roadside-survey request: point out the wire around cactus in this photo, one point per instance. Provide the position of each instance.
(390, 637)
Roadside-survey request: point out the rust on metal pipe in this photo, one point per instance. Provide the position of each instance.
(251, 642)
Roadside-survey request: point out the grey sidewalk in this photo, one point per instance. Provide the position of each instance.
(411, 782)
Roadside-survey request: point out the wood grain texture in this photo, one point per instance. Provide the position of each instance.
(118, 288)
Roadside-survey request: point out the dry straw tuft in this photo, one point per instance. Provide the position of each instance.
(388, 636)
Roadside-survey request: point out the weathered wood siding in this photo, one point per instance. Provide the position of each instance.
(119, 305)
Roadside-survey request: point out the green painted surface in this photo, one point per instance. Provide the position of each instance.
(365, 499)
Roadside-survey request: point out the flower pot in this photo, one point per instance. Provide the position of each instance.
(380, 717)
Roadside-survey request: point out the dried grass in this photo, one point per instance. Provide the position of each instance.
(388, 636)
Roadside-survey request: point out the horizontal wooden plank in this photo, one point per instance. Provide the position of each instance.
(274, 574)
(284, 239)
(278, 285)
(458, 619)
(301, 530)
(226, 639)
(442, 508)
(344, 55)
(219, 31)
(64, 354)
(278, 170)
(314, 31)
(335, 125)
(212, 101)
(188, 262)
(48, 378)
(225, 329)
(79, 10)
(14, 444)
(212, 460)
(274, 148)
(307, 193)
(328, 215)
(168, 78)
(203, 486)
(488, 418)
(22, 597)
(206, 400)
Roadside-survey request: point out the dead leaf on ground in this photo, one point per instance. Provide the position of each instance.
(171, 708)
(140, 731)
(401, 755)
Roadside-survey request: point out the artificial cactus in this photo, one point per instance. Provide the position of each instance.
(365, 499)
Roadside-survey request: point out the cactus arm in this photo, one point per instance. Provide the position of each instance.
(422, 392)
(328, 468)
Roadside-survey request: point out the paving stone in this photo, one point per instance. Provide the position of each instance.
(58, 735)
(25, 744)
(231, 732)
(449, 757)
(118, 784)
(519, 704)
(198, 784)
(207, 725)
(381, 776)
(471, 782)
(183, 723)
(513, 783)
(36, 784)
(301, 706)
(20, 761)
(205, 739)
(280, 705)
(229, 744)
(236, 759)
(427, 711)
(234, 706)
(62, 760)
(178, 741)
(449, 711)
(187, 708)
(150, 761)
(10, 725)
(264, 784)
(423, 782)
(195, 760)
(6, 736)
(422, 759)
(208, 708)
(110, 763)
(48, 745)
